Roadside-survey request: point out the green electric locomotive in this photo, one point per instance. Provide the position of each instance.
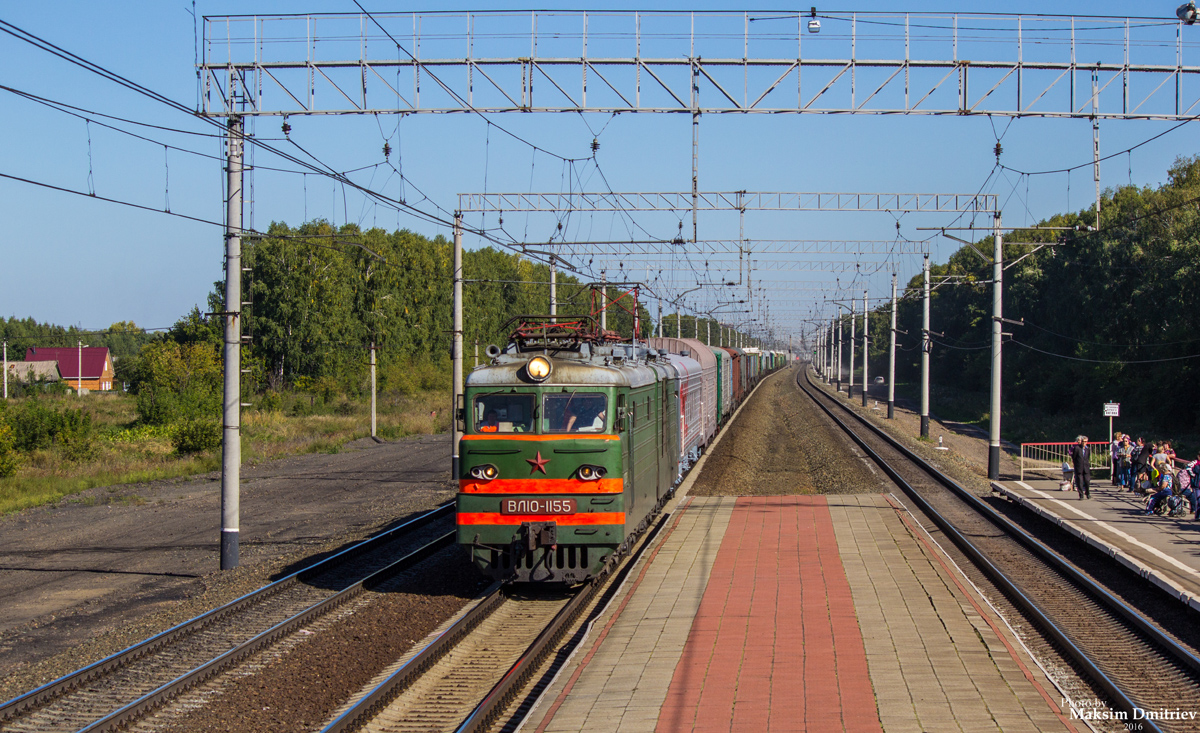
(570, 445)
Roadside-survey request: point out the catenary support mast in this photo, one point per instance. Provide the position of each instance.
(457, 347)
(926, 343)
(866, 382)
(892, 358)
(997, 337)
(231, 440)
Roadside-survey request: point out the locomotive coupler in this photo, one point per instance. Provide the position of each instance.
(538, 534)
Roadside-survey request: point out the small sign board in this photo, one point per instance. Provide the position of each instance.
(1112, 409)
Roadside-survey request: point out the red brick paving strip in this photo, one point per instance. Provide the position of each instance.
(775, 644)
(562, 696)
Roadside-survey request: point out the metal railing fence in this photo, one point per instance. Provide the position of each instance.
(1048, 458)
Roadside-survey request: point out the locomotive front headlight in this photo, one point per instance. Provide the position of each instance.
(591, 473)
(486, 472)
(538, 368)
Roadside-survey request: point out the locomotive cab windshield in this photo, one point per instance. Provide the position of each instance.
(503, 413)
(575, 412)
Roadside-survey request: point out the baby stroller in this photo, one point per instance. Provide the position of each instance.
(1068, 476)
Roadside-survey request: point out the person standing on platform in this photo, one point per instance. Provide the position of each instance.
(1081, 458)
(1112, 457)
(1141, 458)
(1123, 462)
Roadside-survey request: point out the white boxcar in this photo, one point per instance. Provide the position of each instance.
(696, 350)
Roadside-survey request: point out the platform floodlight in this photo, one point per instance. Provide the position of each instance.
(814, 25)
(1187, 12)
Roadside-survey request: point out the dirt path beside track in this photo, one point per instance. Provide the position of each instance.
(91, 575)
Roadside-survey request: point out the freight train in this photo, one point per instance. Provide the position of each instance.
(572, 441)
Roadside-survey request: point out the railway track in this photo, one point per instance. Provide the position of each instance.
(118, 690)
(476, 673)
(1135, 664)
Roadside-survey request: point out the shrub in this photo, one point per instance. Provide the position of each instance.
(37, 426)
(179, 381)
(195, 436)
(76, 437)
(10, 461)
(270, 402)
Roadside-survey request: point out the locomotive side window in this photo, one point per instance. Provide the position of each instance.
(577, 412)
(503, 413)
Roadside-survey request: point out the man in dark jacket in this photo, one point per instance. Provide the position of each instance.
(1081, 458)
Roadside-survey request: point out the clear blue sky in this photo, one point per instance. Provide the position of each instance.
(70, 260)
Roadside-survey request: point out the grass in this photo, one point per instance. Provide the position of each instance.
(128, 453)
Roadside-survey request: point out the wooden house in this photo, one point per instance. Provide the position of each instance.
(90, 367)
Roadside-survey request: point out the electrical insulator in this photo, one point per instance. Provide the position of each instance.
(595, 145)
(387, 150)
(286, 127)
(502, 220)
(998, 150)
(560, 226)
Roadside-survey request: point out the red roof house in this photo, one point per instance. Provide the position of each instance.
(96, 363)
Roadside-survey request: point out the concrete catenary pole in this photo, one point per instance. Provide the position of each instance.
(838, 354)
(853, 326)
(553, 291)
(6, 370)
(79, 374)
(997, 339)
(707, 332)
(926, 343)
(892, 358)
(660, 319)
(456, 378)
(373, 424)
(231, 439)
(866, 383)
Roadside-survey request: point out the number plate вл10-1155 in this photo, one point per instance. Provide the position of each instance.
(537, 506)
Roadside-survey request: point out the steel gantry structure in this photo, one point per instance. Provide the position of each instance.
(691, 63)
(697, 63)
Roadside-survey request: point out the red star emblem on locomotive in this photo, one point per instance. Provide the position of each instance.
(539, 463)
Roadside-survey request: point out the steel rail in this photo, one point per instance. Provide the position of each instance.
(512, 681)
(484, 714)
(400, 680)
(1047, 555)
(56, 688)
(118, 719)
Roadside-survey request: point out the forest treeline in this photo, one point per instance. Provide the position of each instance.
(1110, 314)
(318, 298)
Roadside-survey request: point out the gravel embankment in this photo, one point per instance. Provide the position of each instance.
(302, 689)
(783, 444)
(88, 577)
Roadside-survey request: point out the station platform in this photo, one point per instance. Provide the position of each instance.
(798, 613)
(1164, 550)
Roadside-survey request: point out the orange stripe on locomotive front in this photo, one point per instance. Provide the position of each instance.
(581, 519)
